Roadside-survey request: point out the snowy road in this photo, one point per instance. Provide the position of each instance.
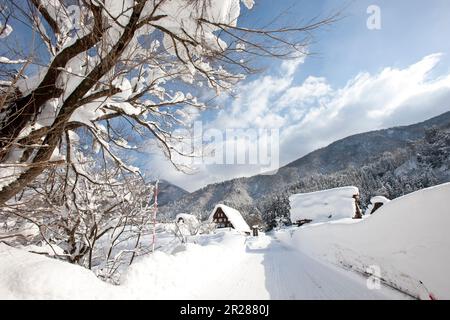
(270, 270)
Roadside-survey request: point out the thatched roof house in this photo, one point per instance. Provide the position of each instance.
(227, 217)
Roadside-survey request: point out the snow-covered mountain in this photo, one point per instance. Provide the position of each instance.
(168, 192)
(389, 162)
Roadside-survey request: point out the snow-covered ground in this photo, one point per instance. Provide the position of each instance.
(406, 239)
(230, 266)
(225, 265)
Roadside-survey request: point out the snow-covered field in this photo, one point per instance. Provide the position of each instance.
(221, 266)
(407, 239)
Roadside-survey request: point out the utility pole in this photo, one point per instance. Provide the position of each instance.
(155, 209)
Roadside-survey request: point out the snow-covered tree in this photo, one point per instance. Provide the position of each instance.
(137, 63)
(434, 152)
(275, 210)
(88, 214)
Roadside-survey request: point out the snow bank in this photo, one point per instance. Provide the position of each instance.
(234, 217)
(408, 239)
(188, 272)
(25, 275)
(323, 205)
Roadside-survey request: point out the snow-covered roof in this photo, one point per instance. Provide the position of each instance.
(233, 216)
(324, 205)
(376, 199)
(380, 199)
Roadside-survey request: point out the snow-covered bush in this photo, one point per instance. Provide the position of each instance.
(187, 224)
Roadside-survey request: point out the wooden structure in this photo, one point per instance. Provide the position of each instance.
(226, 217)
(358, 214)
(221, 219)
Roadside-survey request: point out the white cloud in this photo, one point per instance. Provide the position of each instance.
(368, 102)
(313, 114)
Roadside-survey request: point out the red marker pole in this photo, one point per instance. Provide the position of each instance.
(155, 209)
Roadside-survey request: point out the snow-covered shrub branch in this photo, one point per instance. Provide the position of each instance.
(89, 214)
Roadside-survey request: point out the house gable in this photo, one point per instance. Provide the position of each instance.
(221, 219)
(224, 217)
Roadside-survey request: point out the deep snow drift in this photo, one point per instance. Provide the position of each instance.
(25, 275)
(408, 238)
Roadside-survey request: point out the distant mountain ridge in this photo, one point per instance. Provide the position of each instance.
(353, 152)
(168, 192)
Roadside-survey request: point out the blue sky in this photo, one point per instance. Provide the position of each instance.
(410, 30)
(348, 86)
